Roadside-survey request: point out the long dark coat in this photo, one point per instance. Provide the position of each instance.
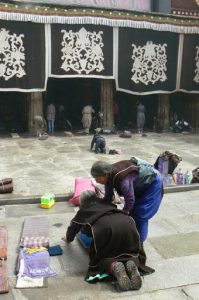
(114, 234)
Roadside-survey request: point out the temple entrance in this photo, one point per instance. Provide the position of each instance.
(128, 109)
(13, 112)
(185, 106)
(70, 96)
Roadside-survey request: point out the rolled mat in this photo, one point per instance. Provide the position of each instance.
(5, 181)
(3, 278)
(3, 242)
(6, 188)
(35, 232)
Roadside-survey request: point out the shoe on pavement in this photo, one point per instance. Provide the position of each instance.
(134, 275)
(123, 280)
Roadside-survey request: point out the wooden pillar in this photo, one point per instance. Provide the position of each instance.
(196, 114)
(163, 110)
(35, 108)
(107, 102)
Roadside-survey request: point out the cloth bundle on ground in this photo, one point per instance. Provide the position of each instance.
(126, 134)
(24, 282)
(81, 184)
(35, 232)
(43, 136)
(36, 264)
(195, 174)
(114, 151)
(6, 185)
(3, 256)
(68, 133)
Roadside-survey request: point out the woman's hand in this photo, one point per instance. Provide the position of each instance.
(64, 238)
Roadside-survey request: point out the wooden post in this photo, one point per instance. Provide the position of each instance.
(163, 110)
(107, 102)
(196, 113)
(35, 101)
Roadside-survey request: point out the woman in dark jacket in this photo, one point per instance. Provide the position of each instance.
(115, 241)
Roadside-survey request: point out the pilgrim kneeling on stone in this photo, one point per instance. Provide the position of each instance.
(114, 242)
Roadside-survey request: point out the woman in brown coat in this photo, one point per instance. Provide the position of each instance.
(115, 245)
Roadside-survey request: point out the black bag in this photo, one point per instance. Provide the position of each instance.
(195, 178)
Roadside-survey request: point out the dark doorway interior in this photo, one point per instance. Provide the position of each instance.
(183, 105)
(72, 95)
(13, 112)
(128, 109)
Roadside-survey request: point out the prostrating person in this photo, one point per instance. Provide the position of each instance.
(99, 142)
(115, 242)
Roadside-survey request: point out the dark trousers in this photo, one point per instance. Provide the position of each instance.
(100, 146)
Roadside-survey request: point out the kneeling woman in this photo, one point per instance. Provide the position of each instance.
(115, 241)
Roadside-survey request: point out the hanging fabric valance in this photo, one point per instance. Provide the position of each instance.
(81, 51)
(22, 56)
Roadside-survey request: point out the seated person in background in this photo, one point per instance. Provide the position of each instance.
(115, 245)
(181, 125)
(99, 142)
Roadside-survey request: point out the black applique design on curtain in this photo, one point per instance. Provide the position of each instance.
(22, 56)
(147, 60)
(82, 50)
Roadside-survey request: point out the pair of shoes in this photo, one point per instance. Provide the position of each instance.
(127, 278)
(134, 275)
(123, 280)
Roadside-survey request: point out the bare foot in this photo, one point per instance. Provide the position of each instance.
(64, 239)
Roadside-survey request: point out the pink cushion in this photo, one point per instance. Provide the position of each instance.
(81, 184)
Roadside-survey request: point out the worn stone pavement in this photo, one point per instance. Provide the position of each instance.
(51, 166)
(172, 248)
(39, 166)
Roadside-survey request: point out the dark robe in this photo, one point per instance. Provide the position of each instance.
(114, 234)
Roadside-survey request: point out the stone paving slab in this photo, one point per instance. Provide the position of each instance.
(192, 291)
(172, 294)
(177, 245)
